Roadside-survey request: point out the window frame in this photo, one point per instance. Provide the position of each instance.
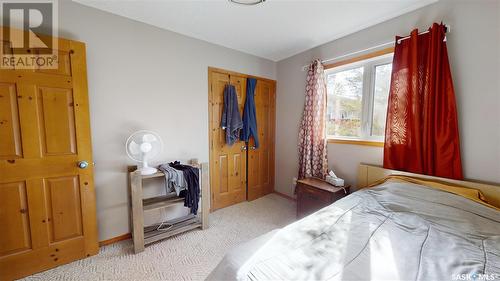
(369, 62)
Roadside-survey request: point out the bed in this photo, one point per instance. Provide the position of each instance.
(396, 230)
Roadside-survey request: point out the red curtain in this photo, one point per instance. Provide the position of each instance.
(421, 133)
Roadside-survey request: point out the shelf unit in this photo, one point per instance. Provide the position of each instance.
(146, 235)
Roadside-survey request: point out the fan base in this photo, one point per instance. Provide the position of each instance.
(148, 171)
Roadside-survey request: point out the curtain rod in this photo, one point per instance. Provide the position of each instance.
(305, 67)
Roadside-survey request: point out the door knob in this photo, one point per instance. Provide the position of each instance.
(243, 148)
(253, 148)
(83, 164)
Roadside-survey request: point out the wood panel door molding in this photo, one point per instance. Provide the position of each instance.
(47, 204)
(228, 164)
(237, 174)
(261, 160)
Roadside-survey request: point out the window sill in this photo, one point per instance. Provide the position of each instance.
(357, 142)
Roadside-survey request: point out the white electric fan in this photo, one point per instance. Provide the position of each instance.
(142, 146)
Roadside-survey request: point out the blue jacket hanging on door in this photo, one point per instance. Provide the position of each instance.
(249, 115)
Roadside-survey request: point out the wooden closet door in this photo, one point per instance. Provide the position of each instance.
(227, 163)
(47, 203)
(261, 160)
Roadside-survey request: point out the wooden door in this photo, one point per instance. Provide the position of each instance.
(261, 160)
(227, 163)
(47, 203)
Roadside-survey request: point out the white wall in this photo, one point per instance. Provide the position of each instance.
(474, 52)
(142, 77)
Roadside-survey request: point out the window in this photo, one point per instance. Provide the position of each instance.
(357, 98)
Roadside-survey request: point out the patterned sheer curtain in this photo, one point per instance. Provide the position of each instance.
(313, 160)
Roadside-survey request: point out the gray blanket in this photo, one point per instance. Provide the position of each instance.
(395, 231)
(174, 179)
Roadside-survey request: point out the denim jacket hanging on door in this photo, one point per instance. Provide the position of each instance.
(249, 115)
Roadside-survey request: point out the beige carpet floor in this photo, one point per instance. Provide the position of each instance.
(189, 256)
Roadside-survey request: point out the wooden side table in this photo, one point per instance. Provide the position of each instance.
(314, 194)
(141, 235)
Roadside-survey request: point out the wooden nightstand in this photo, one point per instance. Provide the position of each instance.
(314, 194)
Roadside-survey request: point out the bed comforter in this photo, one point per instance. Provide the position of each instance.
(395, 231)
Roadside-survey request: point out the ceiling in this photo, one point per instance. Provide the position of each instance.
(275, 29)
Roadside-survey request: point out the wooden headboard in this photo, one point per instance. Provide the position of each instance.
(368, 174)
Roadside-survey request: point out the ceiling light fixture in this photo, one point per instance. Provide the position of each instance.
(247, 2)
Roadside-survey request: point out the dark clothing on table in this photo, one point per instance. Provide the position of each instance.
(192, 177)
(231, 119)
(249, 114)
